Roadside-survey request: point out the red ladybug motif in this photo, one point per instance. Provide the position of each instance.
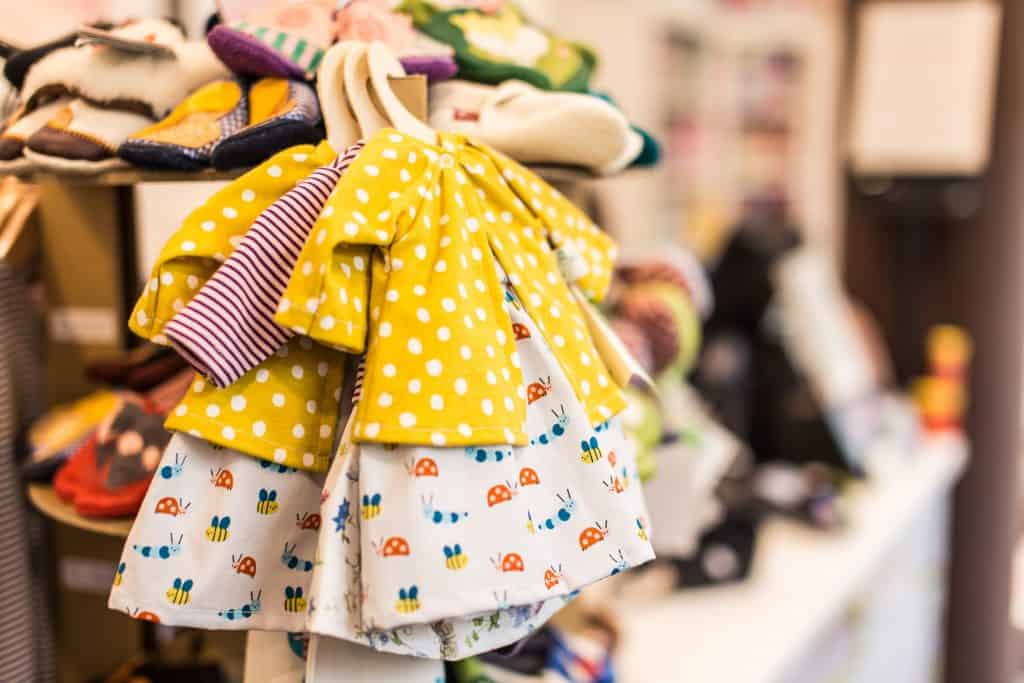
(171, 506)
(593, 535)
(146, 616)
(521, 331)
(512, 562)
(222, 479)
(396, 546)
(552, 577)
(528, 477)
(244, 565)
(538, 390)
(499, 493)
(424, 467)
(309, 521)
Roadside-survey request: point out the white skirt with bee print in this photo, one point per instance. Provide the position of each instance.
(490, 534)
(429, 551)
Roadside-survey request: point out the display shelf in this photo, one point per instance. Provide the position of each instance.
(45, 499)
(801, 584)
(138, 176)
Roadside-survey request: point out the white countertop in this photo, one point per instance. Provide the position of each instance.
(801, 582)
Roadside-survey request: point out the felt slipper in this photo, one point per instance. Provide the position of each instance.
(282, 113)
(536, 126)
(110, 474)
(371, 21)
(66, 425)
(286, 39)
(12, 140)
(82, 139)
(17, 64)
(115, 78)
(185, 139)
(501, 44)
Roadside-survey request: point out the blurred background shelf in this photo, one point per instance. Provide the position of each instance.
(802, 584)
(45, 499)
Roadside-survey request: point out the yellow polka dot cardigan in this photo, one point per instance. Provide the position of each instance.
(441, 364)
(285, 409)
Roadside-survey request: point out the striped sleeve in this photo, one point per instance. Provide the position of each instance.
(228, 328)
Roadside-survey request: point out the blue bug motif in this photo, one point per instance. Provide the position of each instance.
(440, 516)
(245, 611)
(482, 455)
(618, 563)
(292, 561)
(274, 467)
(163, 552)
(561, 516)
(556, 430)
(175, 470)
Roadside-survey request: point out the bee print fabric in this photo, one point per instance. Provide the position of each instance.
(222, 540)
(472, 528)
(501, 536)
(438, 552)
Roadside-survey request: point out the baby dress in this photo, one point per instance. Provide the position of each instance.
(544, 464)
(228, 489)
(446, 551)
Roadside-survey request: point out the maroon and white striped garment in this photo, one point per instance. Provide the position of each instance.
(228, 328)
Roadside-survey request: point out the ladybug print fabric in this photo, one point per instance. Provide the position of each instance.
(480, 527)
(227, 525)
(438, 552)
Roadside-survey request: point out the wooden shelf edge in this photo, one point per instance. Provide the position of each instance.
(139, 176)
(45, 499)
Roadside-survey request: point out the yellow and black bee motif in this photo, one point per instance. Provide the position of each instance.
(180, 592)
(293, 600)
(591, 451)
(408, 600)
(218, 529)
(370, 509)
(267, 504)
(454, 558)
(119, 574)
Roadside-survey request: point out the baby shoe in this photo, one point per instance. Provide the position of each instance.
(118, 76)
(534, 126)
(21, 127)
(62, 431)
(185, 139)
(110, 474)
(82, 138)
(286, 39)
(496, 44)
(282, 114)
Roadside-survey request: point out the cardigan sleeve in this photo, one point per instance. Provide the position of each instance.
(209, 234)
(372, 204)
(228, 328)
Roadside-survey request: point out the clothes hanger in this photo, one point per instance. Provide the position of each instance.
(370, 116)
(340, 121)
(383, 64)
